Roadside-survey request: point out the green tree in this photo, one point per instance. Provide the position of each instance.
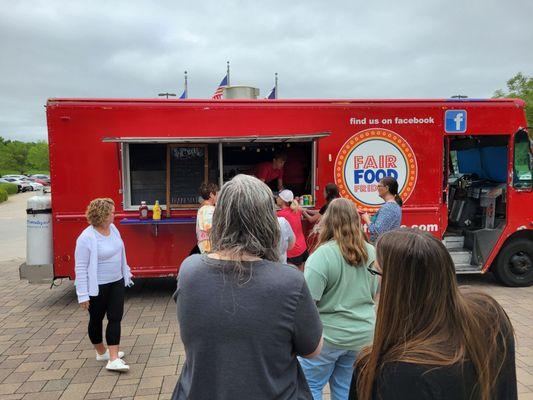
(2, 155)
(520, 86)
(38, 156)
(13, 156)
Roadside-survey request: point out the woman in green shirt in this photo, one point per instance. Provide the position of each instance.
(344, 291)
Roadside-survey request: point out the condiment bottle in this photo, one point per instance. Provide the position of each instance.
(143, 210)
(156, 211)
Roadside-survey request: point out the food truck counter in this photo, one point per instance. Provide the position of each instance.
(172, 171)
(156, 222)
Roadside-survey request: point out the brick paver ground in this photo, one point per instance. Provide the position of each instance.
(45, 352)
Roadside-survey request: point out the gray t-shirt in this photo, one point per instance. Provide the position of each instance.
(242, 337)
(287, 235)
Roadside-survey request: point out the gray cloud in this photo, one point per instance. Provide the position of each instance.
(335, 49)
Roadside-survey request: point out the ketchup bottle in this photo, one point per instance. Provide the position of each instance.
(143, 210)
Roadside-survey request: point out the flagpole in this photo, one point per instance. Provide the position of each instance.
(227, 73)
(186, 87)
(276, 85)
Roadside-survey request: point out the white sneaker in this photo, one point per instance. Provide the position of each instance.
(117, 365)
(105, 356)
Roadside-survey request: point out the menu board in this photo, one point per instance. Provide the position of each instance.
(188, 170)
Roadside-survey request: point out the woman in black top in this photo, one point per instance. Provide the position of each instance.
(432, 341)
(331, 192)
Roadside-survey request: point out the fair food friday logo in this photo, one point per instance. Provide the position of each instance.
(369, 156)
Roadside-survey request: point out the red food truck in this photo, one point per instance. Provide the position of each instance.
(463, 167)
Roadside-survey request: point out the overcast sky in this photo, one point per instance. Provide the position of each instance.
(321, 49)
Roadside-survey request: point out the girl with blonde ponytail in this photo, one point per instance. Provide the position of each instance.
(344, 290)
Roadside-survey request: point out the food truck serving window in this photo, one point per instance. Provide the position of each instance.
(147, 172)
(171, 170)
(169, 173)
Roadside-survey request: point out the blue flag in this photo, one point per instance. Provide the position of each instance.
(184, 94)
(272, 94)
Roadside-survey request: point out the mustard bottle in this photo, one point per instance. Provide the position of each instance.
(156, 211)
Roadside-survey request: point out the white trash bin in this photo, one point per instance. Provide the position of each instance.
(39, 231)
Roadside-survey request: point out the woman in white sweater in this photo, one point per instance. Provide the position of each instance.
(102, 272)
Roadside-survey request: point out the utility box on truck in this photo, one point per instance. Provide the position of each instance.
(463, 169)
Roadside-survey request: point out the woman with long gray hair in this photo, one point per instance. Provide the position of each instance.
(243, 316)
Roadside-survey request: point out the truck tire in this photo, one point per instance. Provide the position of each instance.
(514, 264)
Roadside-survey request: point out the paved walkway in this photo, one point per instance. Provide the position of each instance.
(45, 352)
(13, 226)
(518, 303)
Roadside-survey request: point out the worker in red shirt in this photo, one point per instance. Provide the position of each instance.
(268, 171)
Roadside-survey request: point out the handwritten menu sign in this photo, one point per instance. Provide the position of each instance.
(187, 172)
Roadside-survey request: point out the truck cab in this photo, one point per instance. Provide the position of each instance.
(487, 205)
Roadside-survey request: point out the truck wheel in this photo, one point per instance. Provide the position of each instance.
(514, 264)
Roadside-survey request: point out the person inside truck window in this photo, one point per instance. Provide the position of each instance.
(291, 211)
(433, 340)
(389, 216)
(244, 317)
(102, 272)
(204, 217)
(272, 171)
(345, 294)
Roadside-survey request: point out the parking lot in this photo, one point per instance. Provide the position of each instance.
(45, 352)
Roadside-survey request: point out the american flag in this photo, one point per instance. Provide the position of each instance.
(273, 94)
(220, 88)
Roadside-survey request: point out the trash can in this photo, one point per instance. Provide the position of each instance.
(39, 231)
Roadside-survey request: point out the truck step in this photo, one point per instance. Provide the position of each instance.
(461, 256)
(454, 242)
(467, 269)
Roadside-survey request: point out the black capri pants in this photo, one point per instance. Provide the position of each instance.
(110, 301)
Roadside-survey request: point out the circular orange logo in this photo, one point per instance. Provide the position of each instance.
(369, 156)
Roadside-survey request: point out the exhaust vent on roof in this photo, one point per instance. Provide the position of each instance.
(241, 92)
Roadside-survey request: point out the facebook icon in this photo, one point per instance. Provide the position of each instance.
(455, 121)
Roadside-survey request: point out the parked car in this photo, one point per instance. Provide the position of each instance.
(44, 182)
(41, 178)
(34, 185)
(23, 185)
(5, 180)
(9, 180)
(14, 176)
(39, 181)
